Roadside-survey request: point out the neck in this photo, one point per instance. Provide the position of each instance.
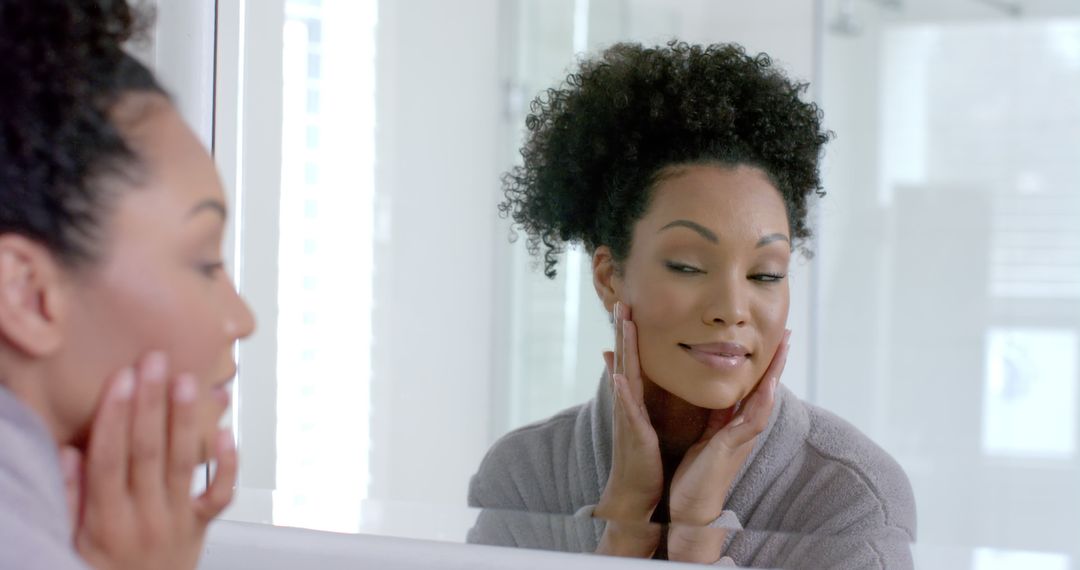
(24, 390)
(678, 423)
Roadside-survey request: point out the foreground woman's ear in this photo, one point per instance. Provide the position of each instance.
(31, 296)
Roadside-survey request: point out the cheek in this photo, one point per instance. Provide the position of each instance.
(772, 311)
(172, 314)
(771, 315)
(661, 309)
(180, 313)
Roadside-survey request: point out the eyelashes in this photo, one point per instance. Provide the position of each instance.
(210, 270)
(768, 277)
(684, 269)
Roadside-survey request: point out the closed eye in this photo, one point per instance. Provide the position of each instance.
(211, 269)
(677, 267)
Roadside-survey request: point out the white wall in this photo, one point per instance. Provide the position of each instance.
(181, 52)
(436, 182)
(437, 175)
(945, 155)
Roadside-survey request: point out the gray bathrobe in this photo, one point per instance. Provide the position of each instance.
(34, 530)
(810, 473)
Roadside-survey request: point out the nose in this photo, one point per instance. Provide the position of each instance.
(239, 320)
(727, 302)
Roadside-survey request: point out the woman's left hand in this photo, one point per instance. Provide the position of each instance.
(130, 496)
(705, 475)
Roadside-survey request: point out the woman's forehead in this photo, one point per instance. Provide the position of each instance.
(172, 154)
(711, 195)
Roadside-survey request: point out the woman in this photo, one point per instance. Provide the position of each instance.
(686, 171)
(117, 321)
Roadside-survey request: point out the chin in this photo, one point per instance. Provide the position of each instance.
(711, 399)
(710, 393)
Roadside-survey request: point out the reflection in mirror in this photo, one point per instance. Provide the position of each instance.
(437, 538)
(686, 172)
(714, 545)
(938, 315)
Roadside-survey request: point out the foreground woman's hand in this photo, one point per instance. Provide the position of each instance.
(705, 475)
(132, 504)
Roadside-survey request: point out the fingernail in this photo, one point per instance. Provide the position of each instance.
(625, 327)
(737, 421)
(618, 310)
(154, 367)
(185, 389)
(125, 385)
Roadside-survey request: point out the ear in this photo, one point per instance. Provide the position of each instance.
(31, 296)
(606, 278)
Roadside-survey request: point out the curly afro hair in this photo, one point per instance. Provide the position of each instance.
(598, 143)
(64, 69)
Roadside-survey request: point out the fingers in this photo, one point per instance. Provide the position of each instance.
(632, 362)
(754, 416)
(620, 367)
(183, 440)
(629, 415)
(635, 416)
(635, 483)
(625, 360)
(107, 452)
(219, 493)
(138, 465)
(772, 372)
(148, 439)
(779, 360)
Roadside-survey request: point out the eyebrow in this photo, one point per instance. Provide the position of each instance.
(211, 205)
(700, 229)
(713, 238)
(771, 238)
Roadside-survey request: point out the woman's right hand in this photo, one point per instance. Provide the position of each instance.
(131, 493)
(635, 484)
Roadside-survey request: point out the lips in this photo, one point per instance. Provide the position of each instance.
(222, 390)
(718, 355)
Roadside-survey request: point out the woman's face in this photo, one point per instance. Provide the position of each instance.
(159, 284)
(706, 280)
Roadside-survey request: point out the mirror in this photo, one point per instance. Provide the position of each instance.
(402, 332)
